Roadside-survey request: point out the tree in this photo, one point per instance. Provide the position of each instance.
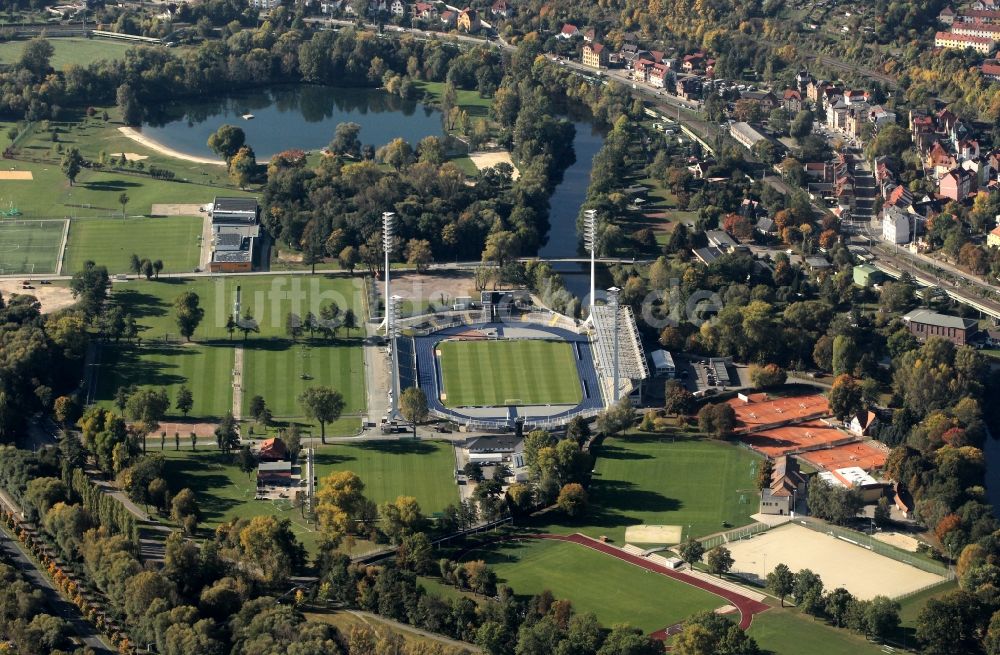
(845, 396)
(227, 141)
(227, 434)
(123, 201)
(677, 399)
(401, 518)
(148, 407)
(90, 287)
(764, 474)
(837, 605)
(243, 167)
(188, 313)
(350, 321)
(801, 125)
(691, 551)
(322, 404)
(617, 418)
(247, 460)
(71, 163)
(66, 411)
(271, 549)
(185, 400)
(413, 406)
(418, 254)
(770, 375)
(345, 140)
(780, 582)
(35, 57)
(397, 153)
(573, 500)
(348, 258)
(128, 104)
(719, 560)
(717, 419)
(883, 513)
(950, 625)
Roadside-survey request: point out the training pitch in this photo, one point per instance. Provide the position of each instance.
(29, 247)
(522, 372)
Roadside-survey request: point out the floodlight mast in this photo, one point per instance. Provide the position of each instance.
(613, 301)
(391, 309)
(388, 225)
(590, 241)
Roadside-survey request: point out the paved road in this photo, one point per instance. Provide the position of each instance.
(57, 604)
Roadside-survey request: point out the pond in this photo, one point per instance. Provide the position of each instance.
(292, 116)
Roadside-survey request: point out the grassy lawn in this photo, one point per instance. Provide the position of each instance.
(111, 242)
(787, 632)
(489, 373)
(205, 369)
(29, 246)
(422, 469)
(224, 491)
(613, 590)
(273, 367)
(68, 51)
(470, 101)
(298, 365)
(656, 480)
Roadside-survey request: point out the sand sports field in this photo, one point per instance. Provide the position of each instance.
(840, 564)
(17, 175)
(152, 144)
(487, 159)
(653, 534)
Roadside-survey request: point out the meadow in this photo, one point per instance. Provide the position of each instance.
(111, 242)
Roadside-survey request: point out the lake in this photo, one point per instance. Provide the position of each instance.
(293, 116)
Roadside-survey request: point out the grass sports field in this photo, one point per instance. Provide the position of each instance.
(274, 366)
(517, 372)
(656, 480)
(788, 632)
(176, 241)
(68, 51)
(29, 246)
(615, 591)
(205, 369)
(422, 469)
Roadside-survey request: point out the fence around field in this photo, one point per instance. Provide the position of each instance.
(865, 541)
(736, 534)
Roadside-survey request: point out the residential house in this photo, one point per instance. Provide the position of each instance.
(448, 19)
(397, 8)
(802, 81)
(791, 100)
(985, 5)
(766, 226)
(993, 238)
(693, 62)
(963, 41)
(988, 16)
(765, 99)
(879, 116)
(862, 423)
(501, 9)
(272, 450)
(689, 88)
(568, 31)
(947, 16)
(939, 161)
(425, 11)
(978, 30)
(923, 323)
(990, 69)
(595, 55)
(900, 197)
(787, 484)
(896, 225)
(659, 76)
(468, 20)
(589, 35)
(956, 184)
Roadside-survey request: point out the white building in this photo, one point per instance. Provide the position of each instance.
(896, 226)
(663, 364)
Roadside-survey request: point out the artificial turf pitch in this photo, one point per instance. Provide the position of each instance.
(517, 372)
(28, 247)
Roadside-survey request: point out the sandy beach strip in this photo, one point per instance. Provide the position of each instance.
(139, 138)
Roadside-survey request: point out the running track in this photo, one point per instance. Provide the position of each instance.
(746, 606)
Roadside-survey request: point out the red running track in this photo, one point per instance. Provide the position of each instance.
(747, 606)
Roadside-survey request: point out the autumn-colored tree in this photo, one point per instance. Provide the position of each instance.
(737, 225)
(947, 524)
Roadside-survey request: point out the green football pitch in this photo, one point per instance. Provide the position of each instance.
(29, 246)
(517, 372)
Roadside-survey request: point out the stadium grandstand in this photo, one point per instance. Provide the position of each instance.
(632, 367)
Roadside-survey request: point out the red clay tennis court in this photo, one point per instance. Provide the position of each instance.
(864, 455)
(763, 410)
(779, 441)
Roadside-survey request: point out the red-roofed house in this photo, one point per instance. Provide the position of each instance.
(990, 70)
(468, 20)
(568, 31)
(501, 9)
(962, 41)
(791, 100)
(272, 450)
(993, 238)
